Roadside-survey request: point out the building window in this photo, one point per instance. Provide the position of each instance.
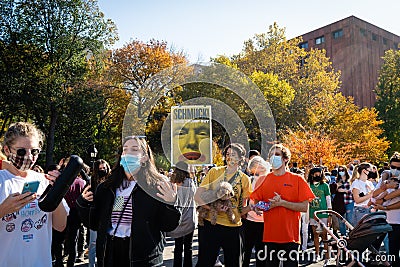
(304, 45)
(396, 46)
(384, 41)
(374, 37)
(320, 40)
(337, 34)
(363, 32)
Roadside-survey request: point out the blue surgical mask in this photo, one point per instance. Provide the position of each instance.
(341, 173)
(276, 162)
(130, 163)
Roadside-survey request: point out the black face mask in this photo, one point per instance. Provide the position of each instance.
(102, 173)
(372, 175)
(317, 178)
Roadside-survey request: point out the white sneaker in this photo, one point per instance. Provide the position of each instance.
(218, 263)
(319, 258)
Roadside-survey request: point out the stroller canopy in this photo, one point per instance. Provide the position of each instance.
(369, 228)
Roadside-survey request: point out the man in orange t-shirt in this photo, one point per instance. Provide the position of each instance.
(289, 194)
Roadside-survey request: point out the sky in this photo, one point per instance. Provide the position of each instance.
(207, 28)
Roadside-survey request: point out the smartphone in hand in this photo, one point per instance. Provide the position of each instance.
(30, 187)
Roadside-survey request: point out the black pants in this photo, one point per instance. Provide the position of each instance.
(394, 244)
(274, 253)
(117, 252)
(214, 237)
(183, 244)
(253, 236)
(57, 247)
(73, 224)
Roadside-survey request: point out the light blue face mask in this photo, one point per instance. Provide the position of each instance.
(130, 163)
(276, 162)
(341, 173)
(395, 172)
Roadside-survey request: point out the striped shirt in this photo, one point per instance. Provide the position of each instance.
(121, 199)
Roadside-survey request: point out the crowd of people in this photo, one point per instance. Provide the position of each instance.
(130, 208)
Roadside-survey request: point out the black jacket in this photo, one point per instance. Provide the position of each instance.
(150, 219)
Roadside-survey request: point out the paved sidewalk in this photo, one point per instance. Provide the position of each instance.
(169, 255)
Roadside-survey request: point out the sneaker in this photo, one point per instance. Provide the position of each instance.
(330, 262)
(319, 258)
(80, 258)
(218, 263)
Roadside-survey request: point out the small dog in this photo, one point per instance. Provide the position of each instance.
(217, 198)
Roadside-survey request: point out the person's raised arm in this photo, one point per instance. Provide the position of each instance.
(198, 199)
(15, 202)
(393, 194)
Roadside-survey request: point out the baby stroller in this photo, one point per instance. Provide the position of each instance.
(352, 249)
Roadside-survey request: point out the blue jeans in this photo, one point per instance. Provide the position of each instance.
(348, 216)
(92, 248)
(359, 212)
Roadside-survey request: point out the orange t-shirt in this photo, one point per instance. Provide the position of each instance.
(281, 225)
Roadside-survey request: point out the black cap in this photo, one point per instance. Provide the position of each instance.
(182, 166)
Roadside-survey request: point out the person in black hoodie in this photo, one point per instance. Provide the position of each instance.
(131, 210)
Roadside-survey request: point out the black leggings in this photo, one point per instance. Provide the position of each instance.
(183, 244)
(253, 236)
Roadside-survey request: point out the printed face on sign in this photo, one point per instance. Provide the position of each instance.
(191, 142)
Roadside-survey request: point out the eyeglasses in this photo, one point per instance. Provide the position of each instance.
(394, 167)
(22, 151)
(254, 174)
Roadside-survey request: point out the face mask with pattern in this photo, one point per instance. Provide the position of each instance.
(22, 163)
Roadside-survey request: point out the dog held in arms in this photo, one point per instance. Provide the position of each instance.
(217, 198)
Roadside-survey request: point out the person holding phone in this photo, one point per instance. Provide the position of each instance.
(25, 230)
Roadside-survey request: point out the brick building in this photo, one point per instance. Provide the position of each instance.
(355, 47)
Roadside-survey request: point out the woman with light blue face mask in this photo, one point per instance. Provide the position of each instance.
(131, 209)
(344, 194)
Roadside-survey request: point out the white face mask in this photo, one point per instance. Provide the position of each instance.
(276, 162)
(395, 172)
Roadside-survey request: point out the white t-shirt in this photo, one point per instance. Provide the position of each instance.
(121, 198)
(363, 187)
(25, 236)
(393, 216)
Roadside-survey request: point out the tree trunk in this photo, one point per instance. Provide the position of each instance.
(50, 137)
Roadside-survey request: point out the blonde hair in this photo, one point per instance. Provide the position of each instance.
(22, 129)
(258, 161)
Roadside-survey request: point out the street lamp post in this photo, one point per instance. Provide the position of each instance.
(93, 154)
